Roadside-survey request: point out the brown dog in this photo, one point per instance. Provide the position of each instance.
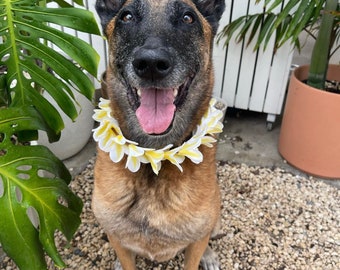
(159, 81)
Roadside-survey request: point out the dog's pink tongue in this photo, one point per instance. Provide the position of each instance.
(156, 110)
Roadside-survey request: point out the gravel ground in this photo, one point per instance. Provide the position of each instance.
(270, 220)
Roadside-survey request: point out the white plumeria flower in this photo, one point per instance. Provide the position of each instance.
(117, 152)
(190, 150)
(111, 140)
(174, 158)
(208, 141)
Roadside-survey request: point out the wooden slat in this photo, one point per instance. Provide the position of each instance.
(262, 73)
(233, 58)
(219, 56)
(278, 80)
(247, 68)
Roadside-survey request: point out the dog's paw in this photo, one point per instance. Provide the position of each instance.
(209, 260)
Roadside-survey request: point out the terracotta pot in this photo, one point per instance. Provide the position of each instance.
(310, 131)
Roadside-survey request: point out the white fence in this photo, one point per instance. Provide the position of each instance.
(243, 78)
(251, 80)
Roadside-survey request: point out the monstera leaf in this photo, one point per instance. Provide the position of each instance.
(35, 56)
(27, 31)
(32, 180)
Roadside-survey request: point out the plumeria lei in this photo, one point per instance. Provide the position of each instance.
(111, 140)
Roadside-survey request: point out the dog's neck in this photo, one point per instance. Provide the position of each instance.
(111, 140)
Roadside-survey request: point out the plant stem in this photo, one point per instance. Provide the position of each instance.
(320, 55)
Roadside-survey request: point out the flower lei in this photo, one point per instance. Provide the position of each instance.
(111, 140)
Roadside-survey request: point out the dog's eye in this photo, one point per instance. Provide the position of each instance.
(188, 18)
(126, 16)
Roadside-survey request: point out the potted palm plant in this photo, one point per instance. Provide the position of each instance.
(35, 200)
(310, 128)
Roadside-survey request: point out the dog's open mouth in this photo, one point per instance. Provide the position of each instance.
(156, 107)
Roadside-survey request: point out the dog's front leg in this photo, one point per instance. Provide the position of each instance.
(127, 259)
(194, 253)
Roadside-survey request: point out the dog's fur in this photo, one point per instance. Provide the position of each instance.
(151, 215)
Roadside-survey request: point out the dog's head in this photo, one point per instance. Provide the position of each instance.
(160, 71)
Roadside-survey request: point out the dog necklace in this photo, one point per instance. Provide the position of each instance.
(111, 140)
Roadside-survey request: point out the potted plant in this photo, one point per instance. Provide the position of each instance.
(35, 200)
(310, 127)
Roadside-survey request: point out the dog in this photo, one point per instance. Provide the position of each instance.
(159, 83)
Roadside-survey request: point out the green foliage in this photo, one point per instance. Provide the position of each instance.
(32, 64)
(321, 51)
(32, 179)
(285, 26)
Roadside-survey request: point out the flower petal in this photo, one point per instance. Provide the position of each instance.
(104, 103)
(135, 151)
(132, 163)
(99, 115)
(117, 153)
(174, 158)
(100, 131)
(155, 157)
(208, 141)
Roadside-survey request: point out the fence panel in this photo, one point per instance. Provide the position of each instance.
(251, 80)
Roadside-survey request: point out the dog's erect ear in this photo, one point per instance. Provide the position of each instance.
(107, 9)
(212, 10)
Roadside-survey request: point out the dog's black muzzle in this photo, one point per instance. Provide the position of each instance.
(152, 61)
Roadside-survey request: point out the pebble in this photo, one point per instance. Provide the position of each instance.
(271, 220)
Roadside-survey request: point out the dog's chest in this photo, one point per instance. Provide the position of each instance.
(158, 216)
(154, 220)
(157, 212)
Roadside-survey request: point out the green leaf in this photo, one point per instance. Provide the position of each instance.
(26, 32)
(255, 29)
(62, 3)
(4, 96)
(266, 26)
(245, 28)
(298, 15)
(229, 30)
(285, 25)
(36, 56)
(273, 5)
(31, 177)
(53, 85)
(33, 21)
(303, 23)
(29, 119)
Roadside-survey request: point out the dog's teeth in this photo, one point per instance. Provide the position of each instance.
(175, 93)
(139, 92)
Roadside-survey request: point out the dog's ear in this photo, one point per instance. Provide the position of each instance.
(107, 9)
(212, 10)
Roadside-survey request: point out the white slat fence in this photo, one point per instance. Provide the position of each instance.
(251, 80)
(244, 79)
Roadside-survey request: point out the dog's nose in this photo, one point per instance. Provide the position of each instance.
(152, 64)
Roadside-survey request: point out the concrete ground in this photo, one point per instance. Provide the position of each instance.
(245, 139)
